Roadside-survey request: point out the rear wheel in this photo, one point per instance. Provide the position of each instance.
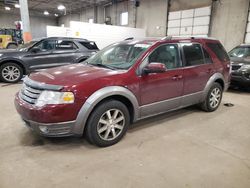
(11, 72)
(213, 98)
(108, 123)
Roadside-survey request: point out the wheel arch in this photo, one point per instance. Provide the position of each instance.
(14, 61)
(218, 78)
(119, 93)
(10, 43)
(81, 59)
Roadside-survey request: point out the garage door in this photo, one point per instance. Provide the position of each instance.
(247, 39)
(189, 22)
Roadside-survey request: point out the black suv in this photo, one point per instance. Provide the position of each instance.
(240, 59)
(42, 54)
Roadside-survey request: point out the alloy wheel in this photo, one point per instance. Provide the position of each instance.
(111, 124)
(11, 73)
(215, 97)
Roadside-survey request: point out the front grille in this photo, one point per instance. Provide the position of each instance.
(236, 67)
(29, 94)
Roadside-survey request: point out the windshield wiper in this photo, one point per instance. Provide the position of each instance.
(104, 66)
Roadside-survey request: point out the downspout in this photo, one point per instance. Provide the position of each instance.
(245, 36)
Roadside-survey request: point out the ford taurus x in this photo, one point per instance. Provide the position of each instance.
(124, 83)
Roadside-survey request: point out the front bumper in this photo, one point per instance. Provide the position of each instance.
(51, 129)
(239, 78)
(53, 121)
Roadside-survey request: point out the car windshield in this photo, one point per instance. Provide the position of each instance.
(26, 46)
(118, 56)
(241, 52)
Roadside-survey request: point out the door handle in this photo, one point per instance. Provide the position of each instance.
(177, 77)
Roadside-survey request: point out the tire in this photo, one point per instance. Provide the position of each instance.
(11, 73)
(213, 98)
(12, 46)
(102, 129)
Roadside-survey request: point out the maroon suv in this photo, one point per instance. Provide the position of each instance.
(123, 83)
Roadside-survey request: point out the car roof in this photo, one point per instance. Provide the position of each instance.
(63, 38)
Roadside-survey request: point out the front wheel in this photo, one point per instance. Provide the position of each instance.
(213, 98)
(108, 123)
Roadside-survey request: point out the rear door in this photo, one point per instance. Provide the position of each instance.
(66, 52)
(197, 70)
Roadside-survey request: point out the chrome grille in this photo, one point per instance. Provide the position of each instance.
(236, 67)
(29, 94)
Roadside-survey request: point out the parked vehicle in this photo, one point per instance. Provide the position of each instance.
(10, 38)
(123, 83)
(240, 58)
(42, 54)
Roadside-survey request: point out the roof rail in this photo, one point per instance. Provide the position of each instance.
(194, 37)
(166, 38)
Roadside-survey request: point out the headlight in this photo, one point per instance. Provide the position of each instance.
(245, 68)
(54, 97)
(1, 55)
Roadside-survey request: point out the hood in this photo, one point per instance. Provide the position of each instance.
(72, 74)
(239, 60)
(10, 53)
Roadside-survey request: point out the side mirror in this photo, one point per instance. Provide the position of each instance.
(35, 50)
(154, 68)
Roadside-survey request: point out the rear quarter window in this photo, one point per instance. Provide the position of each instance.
(219, 51)
(89, 45)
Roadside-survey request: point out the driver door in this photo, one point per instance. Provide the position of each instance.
(161, 92)
(40, 56)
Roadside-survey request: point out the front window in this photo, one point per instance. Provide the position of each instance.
(241, 52)
(118, 56)
(167, 54)
(46, 45)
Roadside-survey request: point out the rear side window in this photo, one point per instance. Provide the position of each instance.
(89, 45)
(193, 54)
(207, 56)
(219, 51)
(65, 45)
